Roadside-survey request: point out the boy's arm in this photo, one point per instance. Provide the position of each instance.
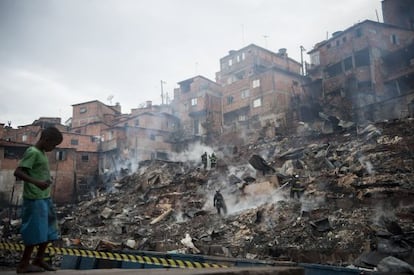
(20, 173)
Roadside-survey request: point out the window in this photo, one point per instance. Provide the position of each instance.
(394, 39)
(13, 153)
(358, 32)
(338, 42)
(185, 87)
(230, 100)
(196, 124)
(362, 58)
(24, 137)
(348, 63)
(137, 122)
(344, 39)
(245, 93)
(328, 46)
(152, 137)
(238, 58)
(314, 57)
(74, 142)
(243, 56)
(85, 157)
(60, 155)
(364, 84)
(230, 62)
(256, 83)
(83, 110)
(257, 103)
(239, 75)
(194, 101)
(242, 118)
(162, 155)
(334, 69)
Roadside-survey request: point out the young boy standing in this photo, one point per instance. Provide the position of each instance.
(39, 223)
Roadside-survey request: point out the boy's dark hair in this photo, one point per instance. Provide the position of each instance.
(52, 133)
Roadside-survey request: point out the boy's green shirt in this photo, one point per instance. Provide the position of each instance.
(36, 164)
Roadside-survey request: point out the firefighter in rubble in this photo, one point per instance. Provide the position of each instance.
(219, 202)
(204, 160)
(213, 160)
(296, 188)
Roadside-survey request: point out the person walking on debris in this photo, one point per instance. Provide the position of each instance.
(219, 202)
(39, 222)
(213, 160)
(296, 189)
(204, 160)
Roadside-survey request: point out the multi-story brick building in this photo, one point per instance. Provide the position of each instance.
(90, 118)
(135, 138)
(398, 68)
(72, 164)
(29, 133)
(347, 72)
(399, 13)
(258, 87)
(75, 167)
(399, 65)
(197, 102)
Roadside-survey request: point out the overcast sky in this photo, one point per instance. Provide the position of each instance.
(56, 53)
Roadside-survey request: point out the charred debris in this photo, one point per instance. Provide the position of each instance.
(357, 207)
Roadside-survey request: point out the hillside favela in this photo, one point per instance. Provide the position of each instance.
(277, 166)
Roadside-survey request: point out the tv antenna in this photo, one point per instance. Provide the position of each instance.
(109, 98)
(162, 91)
(265, 36)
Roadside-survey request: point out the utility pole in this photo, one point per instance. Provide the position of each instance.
(162, 92)
(167, 99)
(242, 29)
(302, 49)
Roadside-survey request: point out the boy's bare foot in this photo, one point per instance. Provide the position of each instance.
(43, 265)
(29, 269)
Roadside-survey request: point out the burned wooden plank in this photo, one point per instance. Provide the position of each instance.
(260, 164)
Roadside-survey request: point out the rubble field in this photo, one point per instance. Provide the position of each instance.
(357, 207)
